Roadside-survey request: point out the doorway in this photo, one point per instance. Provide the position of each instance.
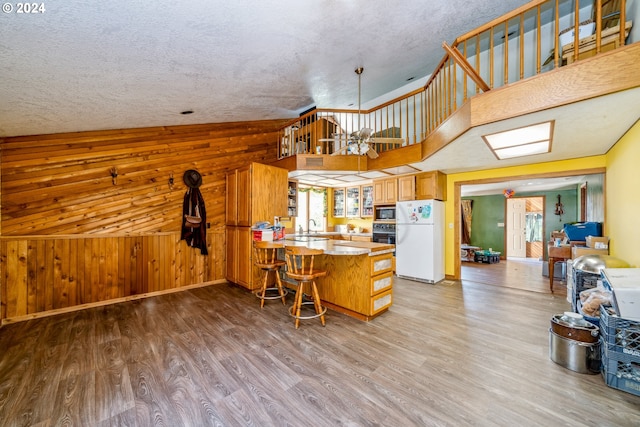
(525, 227)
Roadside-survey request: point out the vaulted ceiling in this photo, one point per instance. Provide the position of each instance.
(81, 65)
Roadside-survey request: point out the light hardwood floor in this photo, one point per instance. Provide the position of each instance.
(452, 354)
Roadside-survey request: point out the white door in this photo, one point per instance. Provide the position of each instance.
(516, 228)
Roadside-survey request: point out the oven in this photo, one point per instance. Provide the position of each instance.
(385, 213)
(384, 233)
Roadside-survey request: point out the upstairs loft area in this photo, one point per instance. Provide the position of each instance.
(524, 44)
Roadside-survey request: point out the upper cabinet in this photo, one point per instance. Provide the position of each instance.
(367, 201)
(292, 198)
(338, 202)
(255, 193)
(431, 185)
(385, 191)
(421, 186)
(353, 202)
(406, 188)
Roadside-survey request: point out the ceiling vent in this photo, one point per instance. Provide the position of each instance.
(314, 161)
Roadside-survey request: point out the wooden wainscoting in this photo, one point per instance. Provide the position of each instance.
(51, 274)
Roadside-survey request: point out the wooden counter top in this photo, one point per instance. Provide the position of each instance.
(343, 247)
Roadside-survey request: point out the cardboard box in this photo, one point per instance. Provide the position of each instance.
(625, 284)
(268, 235)
(263, 235)
(578, 251)
(597, 242)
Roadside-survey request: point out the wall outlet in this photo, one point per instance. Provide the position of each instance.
(501, 224)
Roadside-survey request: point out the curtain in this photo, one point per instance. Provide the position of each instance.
(466, 213)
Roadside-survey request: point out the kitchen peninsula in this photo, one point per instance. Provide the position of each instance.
(359, 282)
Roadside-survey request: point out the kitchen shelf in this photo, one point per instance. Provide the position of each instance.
(292, 198)
(338, 202)
(367, 201)
(353, 202)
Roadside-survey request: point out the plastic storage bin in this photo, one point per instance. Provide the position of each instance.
(620, 352)
(487, 257)
(580, 230)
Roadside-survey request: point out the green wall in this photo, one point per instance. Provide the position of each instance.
(488, 211)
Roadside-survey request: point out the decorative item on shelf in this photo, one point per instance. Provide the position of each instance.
(559, 209)
(114, 175)
(509, 193)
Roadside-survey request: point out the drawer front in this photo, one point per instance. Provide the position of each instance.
(381, 301)
(381, 264)
(381, 282)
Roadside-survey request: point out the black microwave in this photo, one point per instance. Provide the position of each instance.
(385, 213)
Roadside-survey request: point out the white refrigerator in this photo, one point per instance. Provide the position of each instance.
(420, 240)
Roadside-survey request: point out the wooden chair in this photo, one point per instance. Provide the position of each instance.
(266, 258)
(301, 269)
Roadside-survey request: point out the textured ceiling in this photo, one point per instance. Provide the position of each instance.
(125, 64)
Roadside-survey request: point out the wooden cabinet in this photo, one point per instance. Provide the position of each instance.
(366, 210)
(354, 238)
(431, 185)
(353, 202)
(292, 198)
(385, 191)
(238, 198)
(231, 200)
(406, 188)
(338, 202)
(361, 285)
(254, 193)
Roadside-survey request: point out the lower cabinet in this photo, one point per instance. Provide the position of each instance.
(239, 261)
(358, 285)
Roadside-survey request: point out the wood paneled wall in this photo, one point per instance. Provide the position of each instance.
(44, 273)
(71, 235)
(61, 184)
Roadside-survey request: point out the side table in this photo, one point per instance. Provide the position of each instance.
(556, 253)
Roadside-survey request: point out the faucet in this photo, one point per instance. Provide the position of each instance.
(309, 224)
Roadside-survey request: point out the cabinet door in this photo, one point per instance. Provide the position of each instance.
(390, 190)
(378, 192)
(232, 256)
(367, 201)
(338, 203)
(406, 188)
(244, 258)
(431, 185)
(353, 202)
(232, 199)
(268, 193)
(244, 197)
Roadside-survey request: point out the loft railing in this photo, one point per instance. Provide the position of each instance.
(528, 41)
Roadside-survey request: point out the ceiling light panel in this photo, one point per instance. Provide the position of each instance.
(522, 150)
(524, 141)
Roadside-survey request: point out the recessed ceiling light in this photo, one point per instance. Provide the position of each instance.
(524, 141)
(185, 112)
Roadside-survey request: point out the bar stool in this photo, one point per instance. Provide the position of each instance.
(300, 268)
(266, 259)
